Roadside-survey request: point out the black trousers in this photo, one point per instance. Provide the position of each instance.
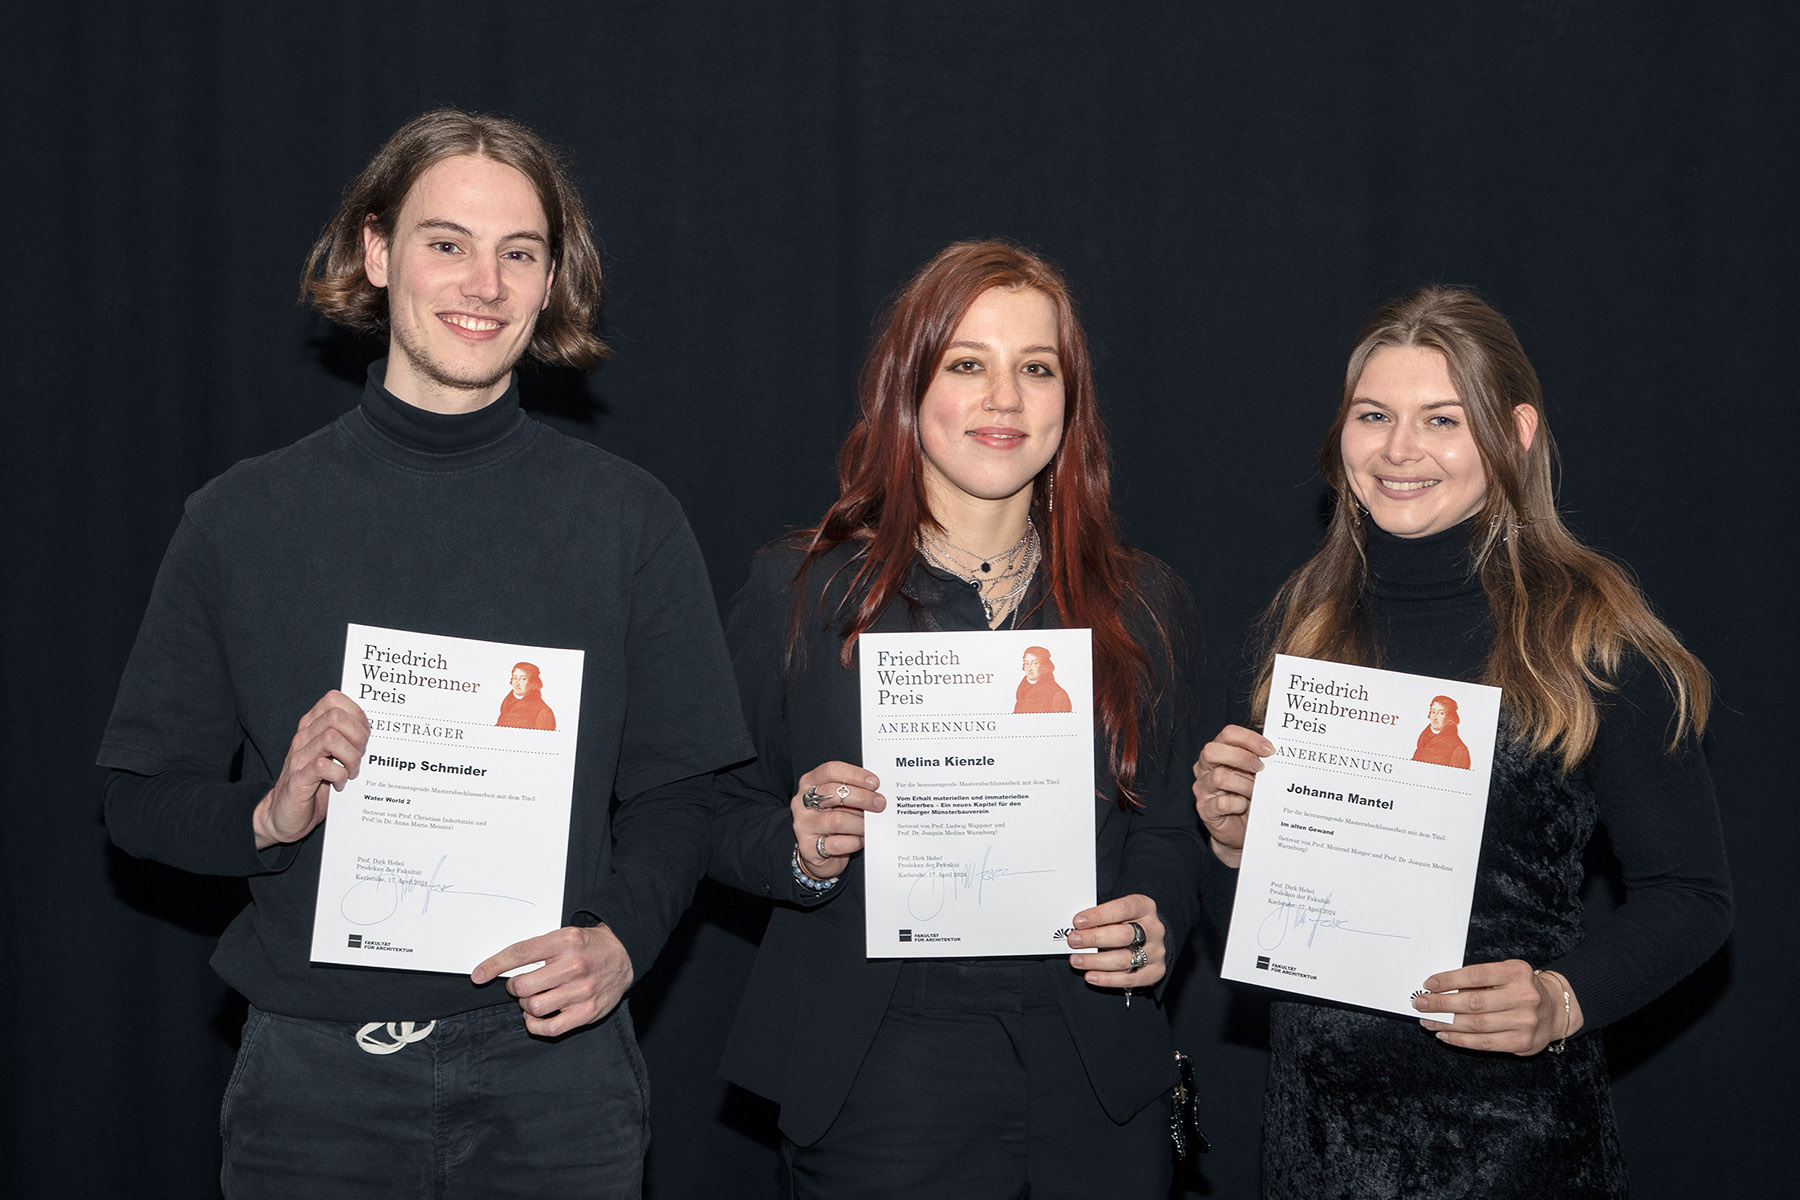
(973, 1088)
(469, 1106)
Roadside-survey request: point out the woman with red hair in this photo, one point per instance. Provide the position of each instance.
(973, 494)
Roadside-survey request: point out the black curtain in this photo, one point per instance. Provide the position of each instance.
(1231, 187)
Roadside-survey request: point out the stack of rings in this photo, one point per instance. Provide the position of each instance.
(812, 799)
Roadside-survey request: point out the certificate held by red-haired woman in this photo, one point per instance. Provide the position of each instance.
(984, 745)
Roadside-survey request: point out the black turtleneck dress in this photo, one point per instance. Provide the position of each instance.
(1361, 1104)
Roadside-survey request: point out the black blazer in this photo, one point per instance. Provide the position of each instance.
(814, 1001)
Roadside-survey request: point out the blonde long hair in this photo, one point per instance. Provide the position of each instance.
(1564, 614)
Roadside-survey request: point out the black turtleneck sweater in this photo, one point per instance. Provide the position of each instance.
(483, 525)
(1430, 616)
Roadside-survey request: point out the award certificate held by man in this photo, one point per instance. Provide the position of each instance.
(451, 841)
(984, 744)
(1360, 855)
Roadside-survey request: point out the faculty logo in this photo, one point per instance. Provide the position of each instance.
(1061, 935)
(1262, 962)
(355, 942)
(906, 935)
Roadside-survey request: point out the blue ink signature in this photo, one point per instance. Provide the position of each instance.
(372, 901)
(942, 888)
(1286, 915)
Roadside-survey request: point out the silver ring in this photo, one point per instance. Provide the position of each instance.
(1137, 934)
(843, 791)
(811, 798)
(1140, 958)
(819, 849)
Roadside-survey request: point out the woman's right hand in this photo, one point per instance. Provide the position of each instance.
(827, 835)
(1224, 776)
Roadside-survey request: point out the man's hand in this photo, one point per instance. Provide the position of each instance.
(326, 753)
(584, 973)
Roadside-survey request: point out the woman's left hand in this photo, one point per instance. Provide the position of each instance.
(1109, 927)
(1504, 1007)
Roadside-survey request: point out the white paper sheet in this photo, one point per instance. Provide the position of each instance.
(1359, 861)
(987, 844)
(452, 842)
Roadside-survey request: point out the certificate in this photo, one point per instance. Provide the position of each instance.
(1360, 854)
(984, 745)
(452, 841)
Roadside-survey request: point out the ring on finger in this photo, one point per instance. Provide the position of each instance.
(819, 848)
(1140, 958)
(1137, 934)
(843, 791)
(811, 798)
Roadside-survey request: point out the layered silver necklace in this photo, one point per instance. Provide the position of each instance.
(1008, 573)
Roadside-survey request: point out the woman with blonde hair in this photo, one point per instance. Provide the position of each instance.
(973, 495)
(1445, 556)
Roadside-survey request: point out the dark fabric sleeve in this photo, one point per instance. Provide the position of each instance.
(1662, 816)
(1163, 844)
(660, 844)
(753, 830)
(174, 731)
(683, 718)
(683, 722)
(1218, 892)
(192, 822)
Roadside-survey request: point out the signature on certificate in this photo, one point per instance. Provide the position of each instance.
(1287, 915)
(373, 899)
(930, 893)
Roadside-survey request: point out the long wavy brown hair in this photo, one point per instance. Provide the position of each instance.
(1564, 614)
(333, 278)
(881, 486)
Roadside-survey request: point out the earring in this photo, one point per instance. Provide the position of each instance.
(1050, 489)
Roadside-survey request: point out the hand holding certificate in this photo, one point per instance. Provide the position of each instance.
(1359, 862)
(451, 843)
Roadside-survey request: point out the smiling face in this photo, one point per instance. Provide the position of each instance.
(993, 413)
(1406, 445)
(467, 271)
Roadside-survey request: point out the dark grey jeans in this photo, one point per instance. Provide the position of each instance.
(476, 1107)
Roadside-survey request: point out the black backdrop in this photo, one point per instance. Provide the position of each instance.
(1230, 186)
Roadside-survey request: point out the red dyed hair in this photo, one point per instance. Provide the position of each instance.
(881, 483)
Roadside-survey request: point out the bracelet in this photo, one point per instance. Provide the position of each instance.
(807, 881)
(1561, 1043)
